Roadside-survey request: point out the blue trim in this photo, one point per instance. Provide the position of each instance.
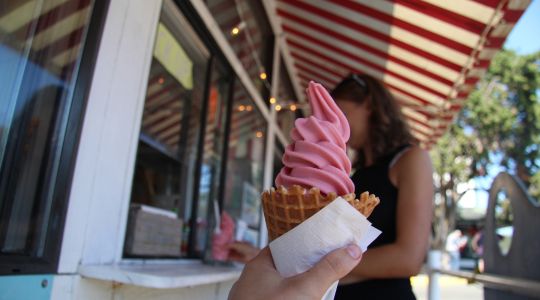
(26, 287)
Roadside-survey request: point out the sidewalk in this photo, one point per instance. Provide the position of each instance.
(452, 288)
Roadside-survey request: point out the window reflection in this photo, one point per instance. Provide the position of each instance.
(40, 52)
(244, 180)
(163, 184)
(212, 154)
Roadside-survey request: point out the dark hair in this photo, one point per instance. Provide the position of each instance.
(388, 129)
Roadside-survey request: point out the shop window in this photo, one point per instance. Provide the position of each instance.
(245, 166)
(41, 104)
(179, 157)
(213, 159)
(201, 150)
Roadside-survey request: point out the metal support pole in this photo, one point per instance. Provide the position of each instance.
(271, 134)
(271, 13)
(434, 262)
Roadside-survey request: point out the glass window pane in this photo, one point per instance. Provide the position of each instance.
(212, 156)
(244, 180)
(40, 52)
(162, 191)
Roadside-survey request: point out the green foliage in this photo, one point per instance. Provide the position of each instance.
(502, 116)
(514, 128)
(503, 213)
(453, 156)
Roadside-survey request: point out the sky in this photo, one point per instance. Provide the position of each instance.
(524, 37)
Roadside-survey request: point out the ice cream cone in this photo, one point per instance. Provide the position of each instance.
(285, 208)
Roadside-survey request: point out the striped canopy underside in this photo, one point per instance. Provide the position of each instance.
(430, 53)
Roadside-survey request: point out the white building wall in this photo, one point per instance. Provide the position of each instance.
(219, 291)
(100, 195)
(98, 206)
(71, 287)
(74, 287)
(101, 187)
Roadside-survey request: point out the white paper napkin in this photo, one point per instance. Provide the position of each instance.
(335, 226)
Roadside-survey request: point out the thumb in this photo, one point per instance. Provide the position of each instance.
(332, 267)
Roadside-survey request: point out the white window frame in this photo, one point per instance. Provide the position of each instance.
(101, 187)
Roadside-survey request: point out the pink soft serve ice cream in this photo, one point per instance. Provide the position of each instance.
(317, 155)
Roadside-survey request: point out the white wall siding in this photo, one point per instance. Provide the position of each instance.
(97, 213)
(79, 288)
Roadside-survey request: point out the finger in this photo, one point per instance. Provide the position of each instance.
(237, 257)
(241, 256)
(240, 247)
(332, 267)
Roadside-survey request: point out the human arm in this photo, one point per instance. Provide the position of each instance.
(475, 243)
(412, 175)
(261, 280)
(242, 251)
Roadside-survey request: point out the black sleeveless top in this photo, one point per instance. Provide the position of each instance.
(375, 180)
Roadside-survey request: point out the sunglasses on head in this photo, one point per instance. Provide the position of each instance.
(361, 83)
(357, 80)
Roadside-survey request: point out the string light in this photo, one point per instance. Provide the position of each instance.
(250, 42)
(278, 107)
(272, 100)
(236, 29)
(249, 108)
(259, 134)
(241, 108)
(292, 107)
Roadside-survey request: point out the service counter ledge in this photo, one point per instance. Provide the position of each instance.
(162, 275)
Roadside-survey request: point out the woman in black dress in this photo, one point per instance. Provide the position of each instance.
(389, 165)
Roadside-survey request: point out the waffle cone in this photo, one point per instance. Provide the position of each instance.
(285, 208)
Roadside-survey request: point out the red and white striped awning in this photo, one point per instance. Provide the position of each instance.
(429, 53)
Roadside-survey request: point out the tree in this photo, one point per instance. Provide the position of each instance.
(506, 116)
(452, 160)
(501, 118)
